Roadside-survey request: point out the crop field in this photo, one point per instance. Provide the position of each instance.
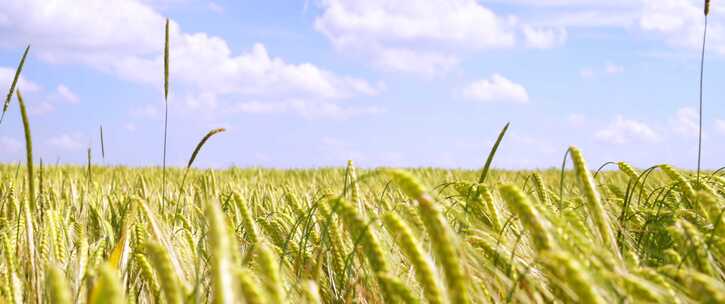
(115, 234)
(105, 235)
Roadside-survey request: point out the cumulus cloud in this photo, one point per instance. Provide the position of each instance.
(434, 30)
(125, 38)
(677, 23)
(426, 37)
(496, 89)
(622, 131)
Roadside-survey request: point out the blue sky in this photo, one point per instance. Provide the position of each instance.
(397, 83)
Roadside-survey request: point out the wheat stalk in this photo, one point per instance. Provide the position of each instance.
(537, 227)
(702, 74)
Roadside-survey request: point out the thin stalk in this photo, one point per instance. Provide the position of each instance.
(166, 110)
(702, 73)
(103, 147)
(29, 205)
(28, 148)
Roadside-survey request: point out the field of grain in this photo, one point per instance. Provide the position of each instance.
(100, 234)
(105, 235)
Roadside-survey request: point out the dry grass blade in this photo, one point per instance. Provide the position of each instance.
(15, 82)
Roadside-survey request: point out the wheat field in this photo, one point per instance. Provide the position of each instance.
(104, 235)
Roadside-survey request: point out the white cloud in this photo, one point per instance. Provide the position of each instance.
(6, 79)
(70, 142)
(306, 108)
(623, 131)
(497, 88)
(215, 7)
(677, 23)
(67, 95)
(567, 3)
(125, 38)
(436, 29)
(9, 145)
(543, 38)
(686, 122)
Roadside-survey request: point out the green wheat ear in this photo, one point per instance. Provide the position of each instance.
(15, 82)
(58, 285)
(166, 60)
(593, 201)
(166, 106)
